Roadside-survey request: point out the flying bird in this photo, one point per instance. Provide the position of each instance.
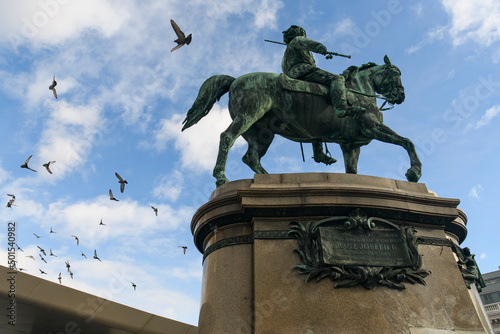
(42, 258)
(68, 266)
(122, 182)
(42, 250)
(133, 284)
(51, 230)
(95, 255)
(19, 248)
(21, 269)
(77, 240)
(70, 274)
(11, 201)
(52, 87)
(184, 248)
(47, 166)
(155, 210)
(111, 196)
(85, 256)
(181, 37)
(52, 254)
(60, 278)
(42, 272)
(31, 257)
(101, 223)
(25, 164)
(37, 236)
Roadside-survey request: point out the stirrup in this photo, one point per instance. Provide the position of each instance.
(349, 111)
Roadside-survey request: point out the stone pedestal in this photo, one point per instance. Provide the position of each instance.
(250, 286)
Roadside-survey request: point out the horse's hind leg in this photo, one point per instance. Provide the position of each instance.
(351, 156)
(259, 141)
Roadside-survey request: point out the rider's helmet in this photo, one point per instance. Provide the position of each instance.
(293, 32)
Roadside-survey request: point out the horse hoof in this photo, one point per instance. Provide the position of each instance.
(221, 181)
(413, 174)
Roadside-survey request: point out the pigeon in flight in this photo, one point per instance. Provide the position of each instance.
(122, 182)
(42, 258)
(51, 231)
(71, 274)
(42, 272)
(42, 250)
(19, 248)
(101, 223)
(85, 256)
(37, 236)
(47, 166)
(25, 165)
(155, 210)
(60, 278)
(77, 240)
(68, 266)
(52, 254)
(181, 38)
(111, 196)
(52, 87)
(184, 248)
(31, 257)
(133, 284)
(11, 201)
(95, 255)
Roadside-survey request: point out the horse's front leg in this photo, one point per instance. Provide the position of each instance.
(351, 156)
(383, 133)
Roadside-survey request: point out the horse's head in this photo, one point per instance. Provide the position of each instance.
(387, 80)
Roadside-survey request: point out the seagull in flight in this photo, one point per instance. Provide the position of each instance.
(77, 240)
(95, 255)
(155, 210)
(181, 37)
(52, 87)
(184, 248)
(47, 166)
(25, 164)
(133, 284)
(111, 197)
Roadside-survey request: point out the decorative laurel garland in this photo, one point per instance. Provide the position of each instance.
(350, 275)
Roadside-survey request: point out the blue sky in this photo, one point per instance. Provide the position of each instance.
(122, 96)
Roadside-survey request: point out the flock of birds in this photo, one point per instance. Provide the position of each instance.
(181, 40)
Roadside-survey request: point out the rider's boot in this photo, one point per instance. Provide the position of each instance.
(339, 101)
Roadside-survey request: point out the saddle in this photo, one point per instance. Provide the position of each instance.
(302, 86)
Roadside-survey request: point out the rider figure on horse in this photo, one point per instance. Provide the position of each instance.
(298, 63)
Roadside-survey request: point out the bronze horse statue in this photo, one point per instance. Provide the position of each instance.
(264, 104)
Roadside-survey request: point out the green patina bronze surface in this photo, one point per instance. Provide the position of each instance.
(358, 250)
(310, 108)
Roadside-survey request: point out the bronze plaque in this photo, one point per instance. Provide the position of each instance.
(380, 248)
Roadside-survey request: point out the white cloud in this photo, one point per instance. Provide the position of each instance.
(475, 191)
(345, 26)
(49, 22)
(169, 186)
(199, 144)
(475, 20)
(488, 116)
(437, 33)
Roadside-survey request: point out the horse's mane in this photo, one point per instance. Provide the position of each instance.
(353, 69)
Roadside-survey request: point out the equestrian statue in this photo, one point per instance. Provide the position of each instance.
(305, 104)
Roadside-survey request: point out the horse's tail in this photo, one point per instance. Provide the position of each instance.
(210, 92)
